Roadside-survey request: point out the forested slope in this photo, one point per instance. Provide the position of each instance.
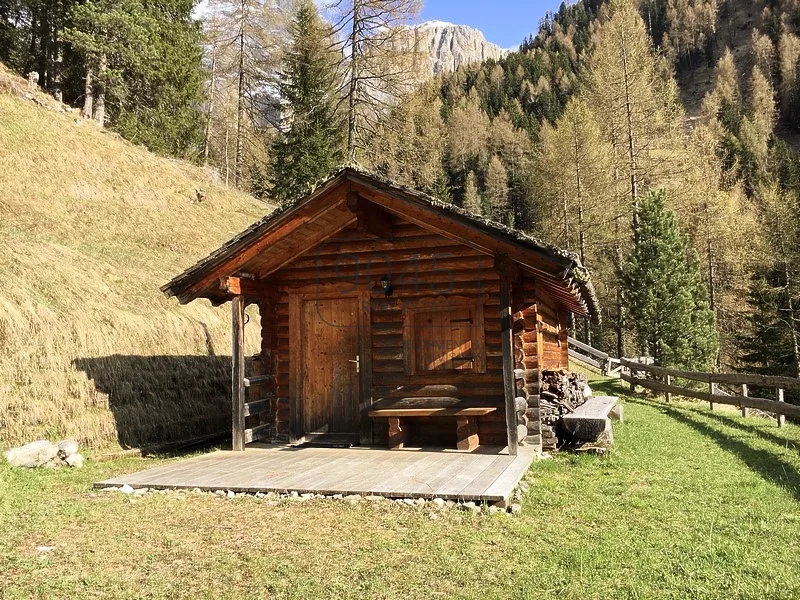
(90, 227)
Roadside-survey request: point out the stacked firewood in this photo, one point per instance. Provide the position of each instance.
(561, 393)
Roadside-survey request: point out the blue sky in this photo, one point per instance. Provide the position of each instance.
(503, 22)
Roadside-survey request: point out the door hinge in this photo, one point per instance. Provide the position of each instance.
(357, 363)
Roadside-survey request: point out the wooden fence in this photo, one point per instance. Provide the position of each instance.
(661, 380)
(608, 365)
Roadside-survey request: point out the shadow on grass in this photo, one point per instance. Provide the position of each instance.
(162, 399)
(768, 466)
(734, 422)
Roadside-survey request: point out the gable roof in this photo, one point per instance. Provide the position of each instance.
(298, 226)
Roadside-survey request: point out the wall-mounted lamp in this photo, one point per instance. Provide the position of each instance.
(386, 286)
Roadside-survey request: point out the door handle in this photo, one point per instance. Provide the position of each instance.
(357, 363)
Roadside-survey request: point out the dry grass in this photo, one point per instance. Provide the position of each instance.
(90, 227)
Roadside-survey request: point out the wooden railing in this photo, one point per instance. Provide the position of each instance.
(661, 380)
(593, 357)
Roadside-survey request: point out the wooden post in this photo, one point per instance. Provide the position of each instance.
(745, 392)
(634, 374)
(237, 371)
(781, 418)
(712, 389)
(507, 342)
(668, 395)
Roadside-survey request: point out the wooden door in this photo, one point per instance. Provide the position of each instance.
(330, 365)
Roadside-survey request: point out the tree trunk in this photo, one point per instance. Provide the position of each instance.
(100, 94)
(793, 333)
(88, 94)
(210, 116)
(240, 107)
(352, 143)
(631, 135)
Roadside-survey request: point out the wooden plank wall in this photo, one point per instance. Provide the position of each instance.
(422, 265)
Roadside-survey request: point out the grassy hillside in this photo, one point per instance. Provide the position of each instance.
(90, 227)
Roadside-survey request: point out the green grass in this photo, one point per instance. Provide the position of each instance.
(688, 505)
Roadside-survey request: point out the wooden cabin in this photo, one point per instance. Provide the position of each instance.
(391, 318)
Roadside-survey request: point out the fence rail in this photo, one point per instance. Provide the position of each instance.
(593, 357)
(713, 395)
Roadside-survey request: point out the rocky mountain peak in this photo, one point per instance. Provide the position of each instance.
(450, 46)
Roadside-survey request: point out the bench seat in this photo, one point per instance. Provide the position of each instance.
(466, 423)
(590, 422)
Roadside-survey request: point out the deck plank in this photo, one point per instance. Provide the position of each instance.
(409, 473)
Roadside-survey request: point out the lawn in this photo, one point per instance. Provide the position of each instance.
(689, 504)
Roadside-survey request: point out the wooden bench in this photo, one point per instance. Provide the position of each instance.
(466, 423)
(590, 422)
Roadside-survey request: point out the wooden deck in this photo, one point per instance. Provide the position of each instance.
(481, 476)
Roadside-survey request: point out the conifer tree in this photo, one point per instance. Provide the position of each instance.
(472, 199)
(634, 101)
(497, 189)
(666, 297)
(377, 69)
(312, 143)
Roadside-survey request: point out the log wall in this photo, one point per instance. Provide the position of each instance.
(422, 266)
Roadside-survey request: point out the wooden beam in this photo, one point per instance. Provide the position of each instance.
(370, 217)
(507, 342)
(237, 372)
(241, 286)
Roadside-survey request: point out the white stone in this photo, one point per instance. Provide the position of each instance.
(32, 455)
(45, 549)
(408, 501)
(231, 494)
(260, 495)
(352, 498)
(294, 495)
(74, 460)
(494, 509)
(420, 501)
(438, 502)
(126, 489)
(67, 448)
(140, 492)
(515, 508)
(374, 498)
(219, 492)
(433, 516)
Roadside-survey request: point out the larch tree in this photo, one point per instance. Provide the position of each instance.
(311, 142)
(472, 198)
(248, 35)
(716, 217)
(378, 67)
(780, 214)
(412, 138)
(665, 293)
(468, 139)
(496, 189)
(635, 102)
(574, 167)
